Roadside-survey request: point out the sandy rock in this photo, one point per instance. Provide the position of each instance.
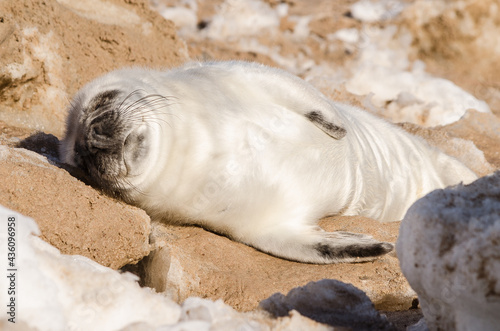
(194, 262)
(482, 129)
(449, 246)
(473, 140)
(465, 150)
(50, 48)
(331, 302)
(72, 292)
(438, 28)
(72, 216)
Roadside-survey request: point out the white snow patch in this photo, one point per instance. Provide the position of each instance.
(413, 95)
(380, 71)
(61, 292)
(17, 70)
(301, 30)
(184, 15)
(401, 90)
(370, 11)
(103, 12)
(350, 35)
(237, 19)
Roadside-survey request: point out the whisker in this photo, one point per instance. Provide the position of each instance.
(145, 102)
(129, 96)
(145, 108)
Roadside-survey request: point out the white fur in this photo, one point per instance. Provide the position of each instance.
(235, 153)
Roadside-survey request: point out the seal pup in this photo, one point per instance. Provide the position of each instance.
(251, 152)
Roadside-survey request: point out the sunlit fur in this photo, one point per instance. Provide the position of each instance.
(251, 152)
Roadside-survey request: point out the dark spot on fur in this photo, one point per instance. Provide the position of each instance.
(333, 130)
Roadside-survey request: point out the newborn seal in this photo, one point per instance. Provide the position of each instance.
(251, 152)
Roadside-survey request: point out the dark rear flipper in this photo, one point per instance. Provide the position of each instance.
(322, 247)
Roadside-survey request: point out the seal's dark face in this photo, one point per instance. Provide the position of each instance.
(109, 141)
(99, 151)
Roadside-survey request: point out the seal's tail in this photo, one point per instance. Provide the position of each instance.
(452, 171)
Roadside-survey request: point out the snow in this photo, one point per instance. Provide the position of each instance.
(412, 95)
(392, 85)
(71, 292)
(234, 19)
(350, 35)
(183, 15)
(61, 292)
(448, 247)
(242, 18)
(382, 73)
(103, 12)
(397, 88)
(374, 11)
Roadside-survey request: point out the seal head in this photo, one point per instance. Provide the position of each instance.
(110, 137)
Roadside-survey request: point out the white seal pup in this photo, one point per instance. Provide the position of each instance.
(251, 152)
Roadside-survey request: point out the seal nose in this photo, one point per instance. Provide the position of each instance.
(100, 154)
(103, 138)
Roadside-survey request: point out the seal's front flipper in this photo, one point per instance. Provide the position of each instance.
(334, 131)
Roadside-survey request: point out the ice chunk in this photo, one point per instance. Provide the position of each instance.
(449, 250)
(61, 292)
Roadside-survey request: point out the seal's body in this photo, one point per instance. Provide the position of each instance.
(251, 152)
